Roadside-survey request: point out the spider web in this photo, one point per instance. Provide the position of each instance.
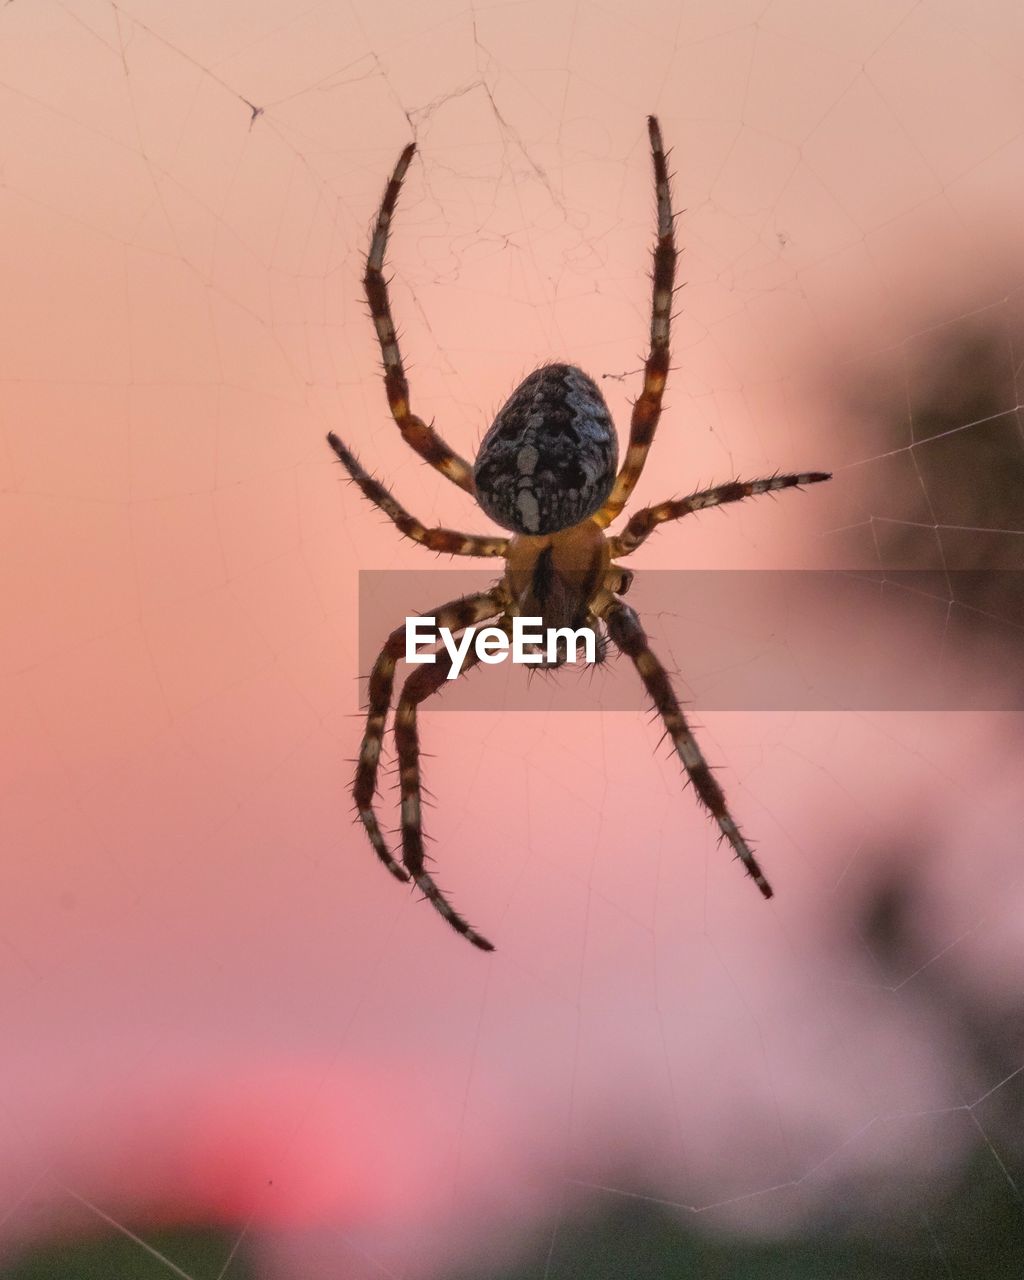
(218, 1010)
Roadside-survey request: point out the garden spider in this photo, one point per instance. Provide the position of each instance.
(546, 470)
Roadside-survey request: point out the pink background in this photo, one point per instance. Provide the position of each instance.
(216, 1003)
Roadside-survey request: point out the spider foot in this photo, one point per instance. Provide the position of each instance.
(744, 854)
(429, 889)
(398, 872)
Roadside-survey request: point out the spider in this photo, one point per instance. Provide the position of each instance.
(547, 471)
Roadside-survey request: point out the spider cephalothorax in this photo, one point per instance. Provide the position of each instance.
(546, 471)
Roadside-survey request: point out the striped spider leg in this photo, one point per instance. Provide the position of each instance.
(631, 639)
(457, 615)
(446, 541)
(647, 408)
(423, 438)
(640, 526)
(419, 686)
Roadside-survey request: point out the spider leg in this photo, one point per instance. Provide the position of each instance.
(641, 525)
(445, 540)
(423, 438)
(647, 408)
(627, 633)
(420, 685)
(454, 614)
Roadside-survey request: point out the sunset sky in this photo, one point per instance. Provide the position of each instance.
(217, 1004)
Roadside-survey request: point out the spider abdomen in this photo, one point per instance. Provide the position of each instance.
(549, 458)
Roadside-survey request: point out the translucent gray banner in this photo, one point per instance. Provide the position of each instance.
(759, 640)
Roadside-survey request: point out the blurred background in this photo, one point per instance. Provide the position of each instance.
(233, 1046)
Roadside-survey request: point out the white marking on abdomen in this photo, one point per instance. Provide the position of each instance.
(529, 511)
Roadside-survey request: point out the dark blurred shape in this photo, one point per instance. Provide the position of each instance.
(200, 1254)
(885, 923)
(942, 482)
(964, 403)
(978, 1234)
